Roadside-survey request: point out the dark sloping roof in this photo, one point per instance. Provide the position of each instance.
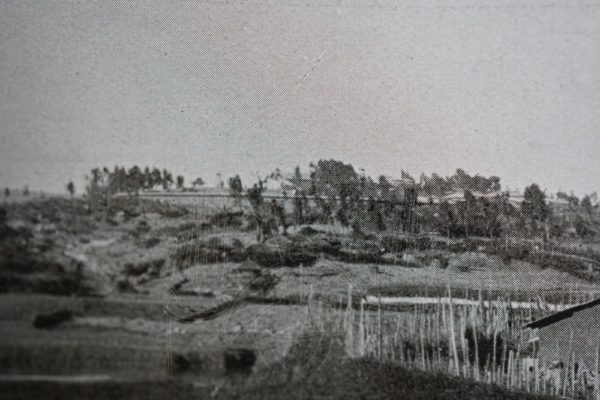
(559, 316)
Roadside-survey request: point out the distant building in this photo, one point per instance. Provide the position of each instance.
(454, 197)
(158, 188)
(515, 198)
(459, 195)
(197, 185)
(401, 182)
(279, 183)
(399, 186)
(559, 202)
(288, 183)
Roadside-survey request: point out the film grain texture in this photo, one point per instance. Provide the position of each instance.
(331, 199)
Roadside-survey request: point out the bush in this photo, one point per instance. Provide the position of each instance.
(394, 244)
(359, 256)
(509, 252)
(52, 320)
(444, 262)
(174, 212)
(485, 346)
(151, 242)
(291, 255)
(189, 230)
(214, 251)
(225, 219)
(239, 361)
(399, 244)
(318, 244)
(308, 231)
(232, 249)
(151, 267)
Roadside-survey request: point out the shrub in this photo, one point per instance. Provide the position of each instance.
(291, 255)
(151, 242)
(308, 231)
(151, 267)
(400, 244)
(318, 244)
(173, 212)
(214, 251)
(239, 360)
(52, 320)
(189, 362)
(225, 219)
(485, 347)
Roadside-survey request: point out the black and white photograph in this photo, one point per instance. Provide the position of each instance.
(300, 199)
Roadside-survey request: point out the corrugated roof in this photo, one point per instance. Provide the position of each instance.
(564, 314)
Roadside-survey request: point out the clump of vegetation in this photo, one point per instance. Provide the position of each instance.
(239, 361)
(227, 219)
(151, 242)
(490, 349)
(151, 268)
(214, 250)
(186, 363)
(289, 255)
(52, 320)
(189, 230)
(398, 244)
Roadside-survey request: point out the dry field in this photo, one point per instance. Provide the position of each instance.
(179, 299)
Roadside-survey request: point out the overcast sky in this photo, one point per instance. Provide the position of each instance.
(510, 88)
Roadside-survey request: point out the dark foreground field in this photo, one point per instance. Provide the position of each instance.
(312, 370)
(347, 381)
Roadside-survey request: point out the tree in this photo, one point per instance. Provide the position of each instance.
(534, 204)
(409, 204)
(534, 207)
(297, 175)
(147, 178)
(375, 217)
(167, 179)
(313, 179)
(198, 182)
(276, 174)
(259, 213)
(119, 180)
(573, 200)
(180, 182)
(299, 209)
(384, 187)
(343, 208)
(438, 186)
(71, 188)
(236, 189)
(582, 227)
(570, 198)
(94, 189)
(135, 179)
(468, 211)
(235, 185)
(278, 215)
(107, 184)
(495, 183)
(586, 204)
(156, 177)
(336, 175)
